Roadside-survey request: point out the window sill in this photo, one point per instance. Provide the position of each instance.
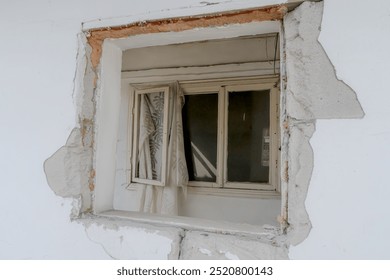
(263, 231)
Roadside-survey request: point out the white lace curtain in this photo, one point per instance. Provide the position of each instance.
(161, 199)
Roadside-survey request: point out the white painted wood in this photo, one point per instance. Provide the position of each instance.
(202, 72)
(198, 34)
(135, 130)
(224, 87)
(220, 139)
(236, 192)
(230, 51)
(271, 186)
(190, 223)
(161, 11)
(275, 138)
(106, 126)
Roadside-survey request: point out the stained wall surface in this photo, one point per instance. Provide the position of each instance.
(347, 200)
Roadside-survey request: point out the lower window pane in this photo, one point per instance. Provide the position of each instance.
(248, 136)
(200, 123)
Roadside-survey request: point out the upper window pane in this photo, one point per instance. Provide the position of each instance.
(248, 136)
(200, 124)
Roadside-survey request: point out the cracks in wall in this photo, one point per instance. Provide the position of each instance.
(207, 3)
(182, 236)
(312, 92)
(207, 245)
(300, 159)
(100, 244)
(124, 239)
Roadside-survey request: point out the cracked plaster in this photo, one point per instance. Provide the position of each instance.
(123, 239)
(310, 91)
(313, 90)
(69, 171)
(202, 246)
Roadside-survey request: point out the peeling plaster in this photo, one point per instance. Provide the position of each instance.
(310, 91)
(97, 36)
(313, 90)
(122, 239)
(200, 245)
(69, 171)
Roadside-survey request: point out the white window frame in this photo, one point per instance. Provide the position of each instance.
(223, 87)
(135, 131)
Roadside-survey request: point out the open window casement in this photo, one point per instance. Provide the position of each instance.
(150, 132)
(158, 163)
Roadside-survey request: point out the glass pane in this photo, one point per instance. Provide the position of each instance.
(150, 136)
(200, 124)
(248, 136)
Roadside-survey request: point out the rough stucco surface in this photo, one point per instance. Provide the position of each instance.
(198, 245)
(64, 178)
(313, 91)
(300, 167)
(69, 170)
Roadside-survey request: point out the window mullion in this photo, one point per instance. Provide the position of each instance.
(132, 121)
(135, 135)
(222, 134)
(274, 120)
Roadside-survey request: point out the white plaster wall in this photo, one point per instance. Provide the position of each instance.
(349, 191)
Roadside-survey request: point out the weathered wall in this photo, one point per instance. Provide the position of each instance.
(349, 188)
(347, 200)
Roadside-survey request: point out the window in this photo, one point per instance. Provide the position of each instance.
(198, 131)
(230, 134)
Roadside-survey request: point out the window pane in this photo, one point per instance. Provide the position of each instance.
(200, 124)
(248, 136)
(150, 136)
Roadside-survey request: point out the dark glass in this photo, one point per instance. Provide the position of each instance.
(248, 136)
(200, 126)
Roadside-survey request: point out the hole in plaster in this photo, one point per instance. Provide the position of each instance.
(312, 92)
